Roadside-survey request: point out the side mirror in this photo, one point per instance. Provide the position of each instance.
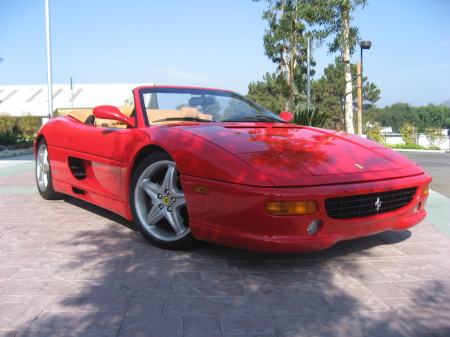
(112, 112)
(286, 116)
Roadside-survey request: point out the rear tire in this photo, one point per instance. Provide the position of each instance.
(158, 204)
(43, 171)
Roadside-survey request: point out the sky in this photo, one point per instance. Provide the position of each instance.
(214, 43)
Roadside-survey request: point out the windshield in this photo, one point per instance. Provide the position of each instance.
(165, 105)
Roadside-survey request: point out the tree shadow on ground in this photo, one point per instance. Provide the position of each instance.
(101, 278)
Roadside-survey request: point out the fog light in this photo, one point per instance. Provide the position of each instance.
(416, 209)
(291, 207)
(314, 227)
(425, 190)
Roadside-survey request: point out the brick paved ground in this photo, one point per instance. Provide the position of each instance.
(71, 269)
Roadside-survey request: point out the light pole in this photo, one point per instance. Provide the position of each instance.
(359, 73)
(49, 60)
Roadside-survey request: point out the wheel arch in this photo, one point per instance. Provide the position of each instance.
(144, 153)
(36, 143)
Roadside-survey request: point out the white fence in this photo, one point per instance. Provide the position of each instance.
(421, 139)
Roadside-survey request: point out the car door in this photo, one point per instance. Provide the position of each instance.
(95, 159)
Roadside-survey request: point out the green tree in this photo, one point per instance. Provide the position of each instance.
(129, 101)
(332, 18)
(329, 93)
(432, 116)
(285, 43)
(409, 133)
(422, 117)
(397, 115)
(434, 136)
(268, 93)
(237, 107)
(374, 133)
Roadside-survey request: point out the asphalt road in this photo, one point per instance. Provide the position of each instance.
(437, 164)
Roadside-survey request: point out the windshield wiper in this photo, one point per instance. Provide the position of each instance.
(187, 119)
(255, 119)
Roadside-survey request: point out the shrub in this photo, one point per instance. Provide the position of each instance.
(7, 122)
(433, 147)
(409, 133)
(434, 136)
(313, 118)
(374, 133)
(28, 124)
(8, 137)
(407, 146)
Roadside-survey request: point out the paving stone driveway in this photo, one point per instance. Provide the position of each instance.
(68, 268)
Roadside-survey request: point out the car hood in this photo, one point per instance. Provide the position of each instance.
(290, 155)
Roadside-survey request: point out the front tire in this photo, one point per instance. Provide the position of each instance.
(158, 204)
(44, 180)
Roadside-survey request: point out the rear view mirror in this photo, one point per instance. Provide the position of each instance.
(202, 100)
(112, 112)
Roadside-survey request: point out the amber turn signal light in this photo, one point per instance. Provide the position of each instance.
(425, 190)
(291, 207)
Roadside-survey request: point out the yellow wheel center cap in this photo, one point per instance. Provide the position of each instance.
(166, 201)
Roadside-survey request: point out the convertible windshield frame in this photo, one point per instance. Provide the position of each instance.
(236, 107)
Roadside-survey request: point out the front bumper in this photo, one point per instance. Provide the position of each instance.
(234, 215)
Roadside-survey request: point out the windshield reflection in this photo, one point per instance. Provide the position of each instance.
(166, 105)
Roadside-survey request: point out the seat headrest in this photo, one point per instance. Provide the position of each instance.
(188, 112)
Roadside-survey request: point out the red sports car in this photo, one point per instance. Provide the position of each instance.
(188, 164)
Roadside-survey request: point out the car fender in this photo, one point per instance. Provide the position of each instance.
(196, 156)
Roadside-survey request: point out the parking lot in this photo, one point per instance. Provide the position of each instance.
(68, 268)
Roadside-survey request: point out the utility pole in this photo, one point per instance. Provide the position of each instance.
(308, 89)
(49, 61)
(71, 89)
(359, 86)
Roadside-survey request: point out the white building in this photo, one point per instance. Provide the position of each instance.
(17, 100)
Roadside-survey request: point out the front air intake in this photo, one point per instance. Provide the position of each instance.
(364, 205)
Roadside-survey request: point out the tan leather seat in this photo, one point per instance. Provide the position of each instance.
(161, 116)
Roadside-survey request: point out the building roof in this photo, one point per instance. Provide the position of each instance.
(16, 100)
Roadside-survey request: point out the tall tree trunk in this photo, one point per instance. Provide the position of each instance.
(348, 105)
(291, 83)
(285, 73)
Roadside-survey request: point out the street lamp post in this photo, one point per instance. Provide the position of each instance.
(359, 71)
(49, 60)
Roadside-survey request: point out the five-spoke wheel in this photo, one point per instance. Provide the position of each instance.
(158, 203)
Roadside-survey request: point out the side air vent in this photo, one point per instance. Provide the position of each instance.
(77, 167)
(77, 190)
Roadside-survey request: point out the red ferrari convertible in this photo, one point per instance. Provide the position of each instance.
(188, 164)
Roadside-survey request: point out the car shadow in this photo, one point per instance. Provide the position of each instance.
(358, 245)
(103, 212)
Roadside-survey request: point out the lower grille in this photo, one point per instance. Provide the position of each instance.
(363, 205)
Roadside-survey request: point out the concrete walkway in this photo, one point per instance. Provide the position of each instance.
(68, 268)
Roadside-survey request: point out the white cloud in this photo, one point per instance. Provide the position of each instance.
(117, 61)
(433, 67)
